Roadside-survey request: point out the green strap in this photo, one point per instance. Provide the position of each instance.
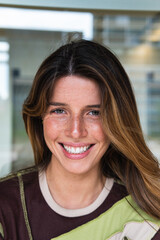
(21, 186)
(1, 230)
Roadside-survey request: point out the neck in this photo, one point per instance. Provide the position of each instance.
(74, 191)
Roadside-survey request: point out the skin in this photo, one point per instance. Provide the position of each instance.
(73, 120)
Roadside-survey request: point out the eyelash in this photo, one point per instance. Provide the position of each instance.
(57, 111)
(94, 113)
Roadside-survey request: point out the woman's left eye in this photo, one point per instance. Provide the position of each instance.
(94, 113)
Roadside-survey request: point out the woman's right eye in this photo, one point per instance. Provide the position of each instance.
(57, 111)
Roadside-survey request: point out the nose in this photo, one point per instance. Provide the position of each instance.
(76, 128)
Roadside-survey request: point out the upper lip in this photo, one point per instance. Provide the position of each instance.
(71, 144)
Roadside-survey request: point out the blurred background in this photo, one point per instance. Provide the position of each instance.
(29, 33)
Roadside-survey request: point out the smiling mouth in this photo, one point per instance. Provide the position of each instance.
(76, 150)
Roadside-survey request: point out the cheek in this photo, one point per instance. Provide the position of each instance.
(97, 131)
(50, 130)
(54, 124)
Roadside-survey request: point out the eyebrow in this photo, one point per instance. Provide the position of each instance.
(64, 104)
(94, 106)
(57, 104)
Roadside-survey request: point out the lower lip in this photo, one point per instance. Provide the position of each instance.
(76, 156)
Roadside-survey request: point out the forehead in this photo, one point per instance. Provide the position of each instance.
(76, 88)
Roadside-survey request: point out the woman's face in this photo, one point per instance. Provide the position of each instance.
(72, 125)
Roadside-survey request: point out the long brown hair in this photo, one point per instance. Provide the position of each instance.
(128, 158)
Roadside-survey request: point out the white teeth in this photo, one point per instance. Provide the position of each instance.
(76, 150)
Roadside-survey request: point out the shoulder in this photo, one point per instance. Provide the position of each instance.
(12, 201)
(12, 177)
(131, 221)
(125, 207)
(119, 189)
(118, 192)
(10, 185)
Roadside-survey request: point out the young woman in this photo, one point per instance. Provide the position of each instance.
(94, 177)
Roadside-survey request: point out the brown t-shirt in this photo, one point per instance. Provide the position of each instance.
(24, 213)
